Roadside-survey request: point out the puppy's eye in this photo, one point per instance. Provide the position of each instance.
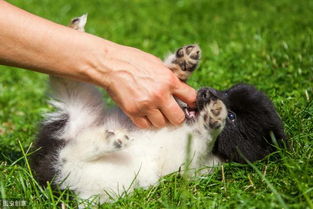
(231, 116)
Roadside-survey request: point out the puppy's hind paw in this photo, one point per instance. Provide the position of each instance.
(184, 61)
(78, 23)
(188, 57)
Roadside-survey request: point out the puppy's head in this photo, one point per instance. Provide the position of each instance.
(210, 112)
(251, 118)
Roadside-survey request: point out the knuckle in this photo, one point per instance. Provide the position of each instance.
(157, 96)
(172, 106)
(132, 110)
(143, 105)
(140, 108)
(172, 82)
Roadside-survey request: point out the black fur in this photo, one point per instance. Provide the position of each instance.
(46, 148)
(250, 131)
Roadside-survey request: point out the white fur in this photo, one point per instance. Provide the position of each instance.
(91, 163)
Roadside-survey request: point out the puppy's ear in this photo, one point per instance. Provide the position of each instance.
(250, 139)
(78, 23)
(243, 151)
(249, 136)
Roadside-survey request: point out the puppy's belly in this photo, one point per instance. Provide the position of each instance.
(113, 173)
(148, 157)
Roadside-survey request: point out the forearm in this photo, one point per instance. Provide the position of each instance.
(32, 42)
(137, 81)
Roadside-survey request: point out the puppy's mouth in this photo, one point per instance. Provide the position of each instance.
(204, 96)
(191, 113)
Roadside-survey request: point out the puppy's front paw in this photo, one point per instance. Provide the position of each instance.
(117, 139)
(185, 61)
(215, 115)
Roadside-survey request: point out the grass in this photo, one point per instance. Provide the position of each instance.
(266, 43)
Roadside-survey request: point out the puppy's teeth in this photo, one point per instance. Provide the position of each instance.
(187, 113)
(192, 114)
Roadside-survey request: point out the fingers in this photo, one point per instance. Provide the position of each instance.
(185, 93)
(156, 118)
(170, 110)
(141, 122)
(173, 112)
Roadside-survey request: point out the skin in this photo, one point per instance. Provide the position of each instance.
(140, 84)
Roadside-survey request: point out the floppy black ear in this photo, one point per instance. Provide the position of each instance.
(240, 149)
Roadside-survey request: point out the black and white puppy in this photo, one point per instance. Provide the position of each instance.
(94, 151)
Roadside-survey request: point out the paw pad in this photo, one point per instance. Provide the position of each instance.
(214, 115)
(188, 57)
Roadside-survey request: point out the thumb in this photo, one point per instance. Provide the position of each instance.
(185, 93)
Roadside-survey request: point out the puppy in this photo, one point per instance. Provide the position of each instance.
(93, 151)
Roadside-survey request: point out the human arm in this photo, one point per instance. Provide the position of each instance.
(138, 82)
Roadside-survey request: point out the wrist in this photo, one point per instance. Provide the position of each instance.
(104, 64)
(92, 60)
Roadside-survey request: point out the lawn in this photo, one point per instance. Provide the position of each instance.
(266, 43)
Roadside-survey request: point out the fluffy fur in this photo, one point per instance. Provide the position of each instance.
(94, 151)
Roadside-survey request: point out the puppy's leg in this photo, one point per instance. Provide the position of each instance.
(78, 23)
(212, 118)
(184, 61)
(211, 122)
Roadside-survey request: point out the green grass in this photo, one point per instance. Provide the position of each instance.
(266, 43)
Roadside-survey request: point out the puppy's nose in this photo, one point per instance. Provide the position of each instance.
(207, 94)
(204, 94)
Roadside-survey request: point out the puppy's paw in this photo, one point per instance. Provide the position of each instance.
(117, 139)
(78, 23)
(215, 115)
(184, 61)
(188, 57)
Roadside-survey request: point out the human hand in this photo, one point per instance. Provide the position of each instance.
(143, 87)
